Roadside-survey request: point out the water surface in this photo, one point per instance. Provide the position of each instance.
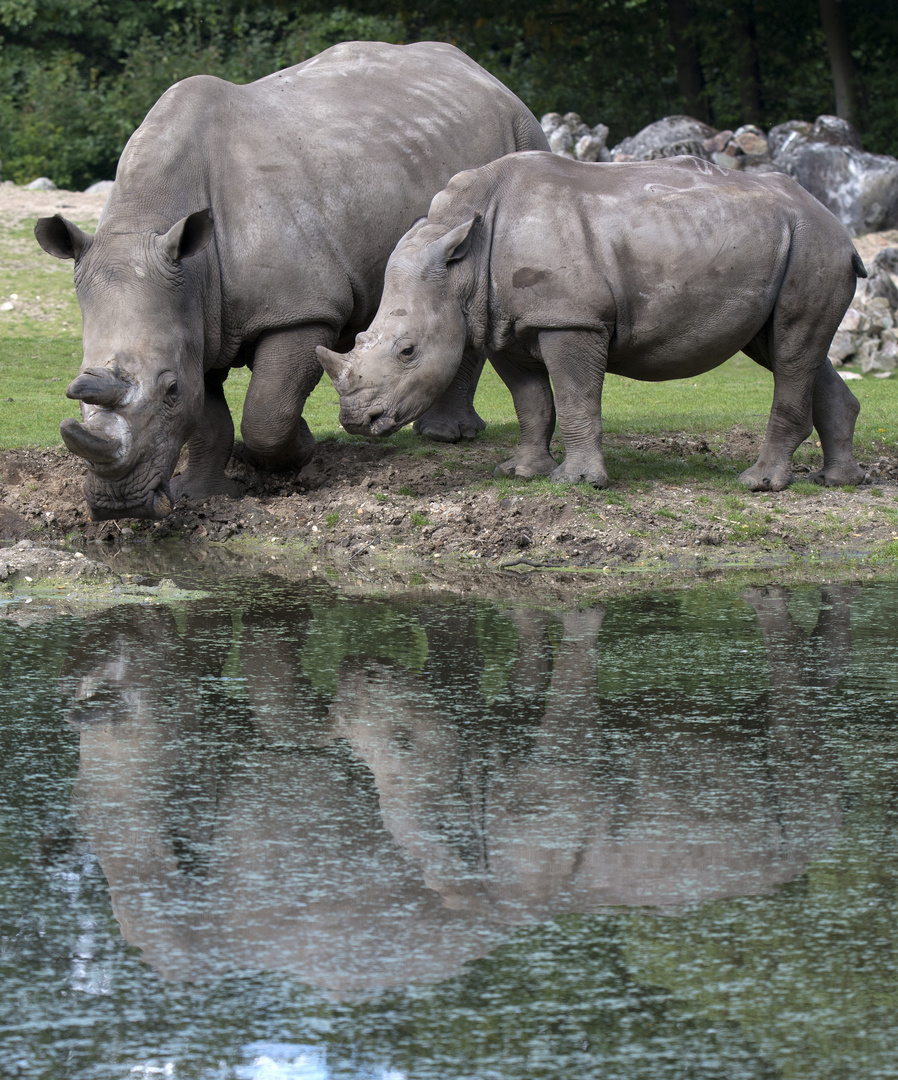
(278, 832)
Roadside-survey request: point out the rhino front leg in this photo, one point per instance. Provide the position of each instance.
(285, 372)
(835, 411)
(577, 360)
(452, 417)
(209, 448)
(531, 391)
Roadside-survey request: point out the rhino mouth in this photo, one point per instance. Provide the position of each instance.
(373, 422)
(156, 506)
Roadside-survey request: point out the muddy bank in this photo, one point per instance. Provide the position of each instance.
(374, 516)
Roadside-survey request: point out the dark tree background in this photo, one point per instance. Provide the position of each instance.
(77, 76)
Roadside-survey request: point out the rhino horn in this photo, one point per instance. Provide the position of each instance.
(93, 447)
(337, 366)
(98, 386)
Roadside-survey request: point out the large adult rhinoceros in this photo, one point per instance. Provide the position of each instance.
(655, 270)
(248, 225)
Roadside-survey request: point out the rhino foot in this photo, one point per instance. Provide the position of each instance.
(762, 478)
(525, 468)
(573, 474)
(442, 427)
(848, 474)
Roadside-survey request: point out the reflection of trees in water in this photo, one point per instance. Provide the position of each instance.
(465, 774)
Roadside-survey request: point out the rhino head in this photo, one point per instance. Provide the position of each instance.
(410, 353)
(141, 379)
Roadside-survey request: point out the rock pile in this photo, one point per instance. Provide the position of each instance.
(868, 334)
(825, 157)
(570, 137)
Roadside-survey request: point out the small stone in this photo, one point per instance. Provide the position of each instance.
(7, 305)
(755, 145)
(591, 148)
(42, 183)
(726, 161)
(718, 143)
(561, 141)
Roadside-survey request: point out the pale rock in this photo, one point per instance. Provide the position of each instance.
(591, 148)
(852, 320)
(844, 344)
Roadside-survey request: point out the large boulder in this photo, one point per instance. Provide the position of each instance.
(861, 189)
(665, 138)
(868, 333)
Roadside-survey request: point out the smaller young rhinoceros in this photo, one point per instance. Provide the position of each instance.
(655, 270)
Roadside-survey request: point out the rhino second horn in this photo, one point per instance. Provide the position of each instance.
(98, 386)
(97, 449)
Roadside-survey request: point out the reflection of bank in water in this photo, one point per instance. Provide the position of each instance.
(365, 823)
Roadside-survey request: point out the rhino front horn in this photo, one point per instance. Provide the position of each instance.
(336, 365)
(98, 386)
(97, 449)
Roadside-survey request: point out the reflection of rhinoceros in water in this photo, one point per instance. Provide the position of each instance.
(378, 841)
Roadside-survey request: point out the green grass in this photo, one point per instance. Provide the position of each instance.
(35, 370)
(40, 354)
(34, 373)
(38, 286)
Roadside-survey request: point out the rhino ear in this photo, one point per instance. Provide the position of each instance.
(187, 236)
(61, 238)
(455, 244)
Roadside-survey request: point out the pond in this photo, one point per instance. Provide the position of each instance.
(278, 832)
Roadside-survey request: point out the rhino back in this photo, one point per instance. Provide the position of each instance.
(314, 172)
(646, 247)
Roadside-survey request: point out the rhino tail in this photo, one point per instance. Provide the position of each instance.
(857, 264)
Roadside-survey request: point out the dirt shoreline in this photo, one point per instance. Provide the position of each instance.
(374, 517)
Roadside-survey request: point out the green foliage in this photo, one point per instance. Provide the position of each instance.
(67, 109)
(78, 76)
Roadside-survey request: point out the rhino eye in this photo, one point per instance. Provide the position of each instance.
(408, 351)
(171, 393)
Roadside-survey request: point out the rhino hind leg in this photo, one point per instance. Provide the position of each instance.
(452, 416)
(793, 345)
(531, 391)
(835, 411)
(209, 449)
(285, 372)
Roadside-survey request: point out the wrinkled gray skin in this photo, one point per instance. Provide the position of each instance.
(654, 270)
(247, 225)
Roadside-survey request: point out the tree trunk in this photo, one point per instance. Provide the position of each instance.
(832, 15)
(690, 80)
(748, 67)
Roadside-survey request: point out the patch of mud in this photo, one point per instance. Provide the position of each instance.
(376, 516)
